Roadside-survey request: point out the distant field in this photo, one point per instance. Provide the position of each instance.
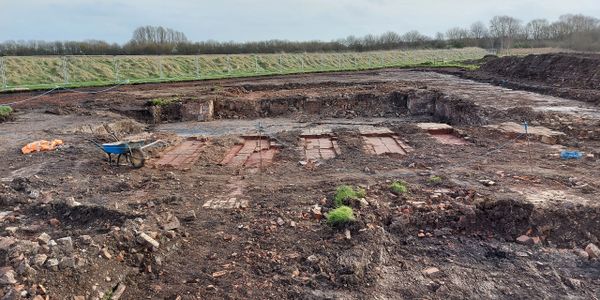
(40, 72)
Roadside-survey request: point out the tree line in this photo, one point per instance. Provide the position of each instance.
(577, 32)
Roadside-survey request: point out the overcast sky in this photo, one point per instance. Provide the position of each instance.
(245, 20)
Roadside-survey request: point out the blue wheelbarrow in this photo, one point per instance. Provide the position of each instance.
(133, 151)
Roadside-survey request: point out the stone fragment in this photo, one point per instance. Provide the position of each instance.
(7, 276)
(592, 250)
(146, 239)
(174, 224)
(39, 260)
(430, 271)
(525, 240)
(43, 238)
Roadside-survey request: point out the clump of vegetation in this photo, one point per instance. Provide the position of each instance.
(399, 187)
(341, 215)
(346, 192)
(434, 180)
(160, 102)
(5, 112)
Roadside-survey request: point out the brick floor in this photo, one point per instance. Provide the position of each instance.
(383, 141)
(182, 156)
(233, 200)
(253, 152)
(319, 145)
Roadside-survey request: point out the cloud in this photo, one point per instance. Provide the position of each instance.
(243, 20)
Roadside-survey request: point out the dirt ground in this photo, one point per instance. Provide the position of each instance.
(235, 206)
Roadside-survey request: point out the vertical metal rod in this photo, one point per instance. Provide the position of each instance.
(528, 144)
(116, 68)
(302, 62)
(228, 60)
(280, 64)
(160, 67)
(3, 73)
(65, 70)
(197, 62)
(255, 63)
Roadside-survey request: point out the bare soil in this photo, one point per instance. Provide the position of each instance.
(192, 225)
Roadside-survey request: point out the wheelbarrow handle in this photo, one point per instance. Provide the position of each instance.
(95, 143)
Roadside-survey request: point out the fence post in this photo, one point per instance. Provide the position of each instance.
(197, 62)
(228, 60)
(65, 70)
(381, 60)
(3, 73)
(302, 62)
(339, 61)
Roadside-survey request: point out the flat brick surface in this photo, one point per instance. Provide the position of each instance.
(319, 147)
(253, 152)
(383, 141)
(184, 155)
(448, 138)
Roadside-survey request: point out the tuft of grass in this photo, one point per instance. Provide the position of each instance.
(5, 112)
(434, 180)
(341, 215)
(160, 102)
(346, 192)
(399, 187)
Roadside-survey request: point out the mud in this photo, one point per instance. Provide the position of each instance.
(236, 205)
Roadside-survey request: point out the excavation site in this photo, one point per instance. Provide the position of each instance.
(393, 183)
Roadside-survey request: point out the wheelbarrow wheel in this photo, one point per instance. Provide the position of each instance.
(136, 157)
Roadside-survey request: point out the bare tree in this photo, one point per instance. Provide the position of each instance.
(479, 31)
(538, 29)
(505, 29)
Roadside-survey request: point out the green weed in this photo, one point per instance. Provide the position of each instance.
(399, 187)
(160, 102)
(5, 112)
(434, 180)
(346, 192)
(341, 215)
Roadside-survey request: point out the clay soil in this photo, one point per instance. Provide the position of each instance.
(242, 231)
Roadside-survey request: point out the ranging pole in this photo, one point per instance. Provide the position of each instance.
(65, 70)
(116, 68)
(197, 62)
(3, 73)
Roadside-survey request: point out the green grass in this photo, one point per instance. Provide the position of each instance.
(161, 102)
(5, 112)
(435, 180)
(399, 187)
(340, 215)
(43, 72)
(346, 192)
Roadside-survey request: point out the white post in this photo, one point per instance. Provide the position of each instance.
(197, 62)
(160, 67)
(280, 64)
(255, 63)
(3, 73)
(116, 68)
(65, 70)
(228, 64)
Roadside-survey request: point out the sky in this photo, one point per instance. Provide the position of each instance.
(251, 20)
